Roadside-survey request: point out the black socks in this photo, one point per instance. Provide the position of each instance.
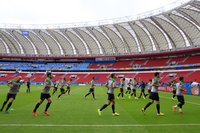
(36, 107)
(148, 104)
(103, 107)
(47, 106)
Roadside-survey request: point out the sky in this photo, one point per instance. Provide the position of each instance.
(70, 11)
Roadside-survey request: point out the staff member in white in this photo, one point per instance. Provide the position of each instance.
(194, 83)
(111, 97)
(179, 95)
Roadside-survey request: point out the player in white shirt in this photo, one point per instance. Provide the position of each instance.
(69, 86)
(173, 85)
(179, 94)
(122, 86)
(91, 91)
(154, 96)
(56, 84)
(133, 87)
(111, 84)
(149, 86)
(129, 85)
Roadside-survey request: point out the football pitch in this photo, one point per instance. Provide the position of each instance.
(74, 113)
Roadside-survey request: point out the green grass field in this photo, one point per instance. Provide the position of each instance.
(74, 113)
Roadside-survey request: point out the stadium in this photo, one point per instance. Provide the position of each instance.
(167, 42)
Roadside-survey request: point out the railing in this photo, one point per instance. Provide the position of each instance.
(140, 69)
(166, 8)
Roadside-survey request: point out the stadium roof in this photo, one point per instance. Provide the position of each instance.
(178, 28)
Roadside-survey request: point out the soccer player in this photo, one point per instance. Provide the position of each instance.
(179, 95)
(154, 95)
(142, 86)
(62, 90)
(14, 89)
(45, 95)
(149, 86)
(129, 87)
(173, 85)
(56, 84)
(68, 86)
(91, 88)
(134, 86)
(122, 85)
(28, 83)
(111, 97)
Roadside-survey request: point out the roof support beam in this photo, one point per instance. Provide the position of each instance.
(70, 42)
(20, 45)
(5, 45)
(60, 48)
(46, 45)
(172, 22)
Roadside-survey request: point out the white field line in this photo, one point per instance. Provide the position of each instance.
(185, 101)
(192, 103)
(76, 125)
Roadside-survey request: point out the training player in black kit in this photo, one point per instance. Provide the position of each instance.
(149, 86)
(129, 87)
(62, 90)
(45, 95)
(179, 94)
(173, 85)
(14, 89)
(69, 86)
(142, 87)
(28, 83)
(134, 87)
(121, 86)
(55, 86)
(154, 95)
(91, 88)
(111, 84)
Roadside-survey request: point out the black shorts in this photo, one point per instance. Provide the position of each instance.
(121, 90)
(44, 96)
(142, 90)
(68, 88)
(10, 96)
(91, 89)
(28, 86)
(154, 96)
(55, 88)
(149, 91)
(62, 90)
(181, 99)
(128, 88)
(111, 97)
(134, 90)
(174, 91)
